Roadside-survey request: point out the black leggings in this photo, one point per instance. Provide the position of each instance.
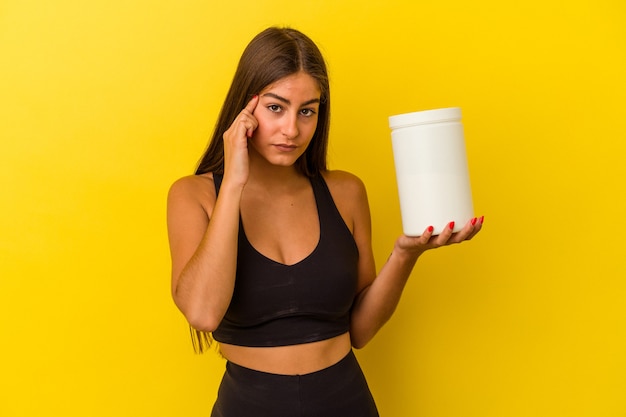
(337, 391)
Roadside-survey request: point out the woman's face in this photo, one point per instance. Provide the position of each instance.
(287, 113)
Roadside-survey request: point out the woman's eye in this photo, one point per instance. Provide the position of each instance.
(307, 112)
(274, 108)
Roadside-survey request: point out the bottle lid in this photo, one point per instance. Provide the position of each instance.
(424, 117)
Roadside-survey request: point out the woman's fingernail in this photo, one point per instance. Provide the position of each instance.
(431, 229)
(474, 220)
(451, 225)
(482, 219)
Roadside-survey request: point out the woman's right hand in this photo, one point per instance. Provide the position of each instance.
(236, 163)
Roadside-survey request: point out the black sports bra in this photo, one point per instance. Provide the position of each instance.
(278, 305)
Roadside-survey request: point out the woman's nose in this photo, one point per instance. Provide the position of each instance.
(290, 126)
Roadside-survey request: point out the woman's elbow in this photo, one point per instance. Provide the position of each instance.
(358, 342)
(203, 324)
(199, 318)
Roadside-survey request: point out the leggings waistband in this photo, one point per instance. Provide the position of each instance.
(336, 391)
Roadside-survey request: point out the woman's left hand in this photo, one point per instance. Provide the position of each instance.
(420, 244)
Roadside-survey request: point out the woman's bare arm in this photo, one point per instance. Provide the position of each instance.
(204, 252)
(203, 230)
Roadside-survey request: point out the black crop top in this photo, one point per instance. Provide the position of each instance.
(274, 304)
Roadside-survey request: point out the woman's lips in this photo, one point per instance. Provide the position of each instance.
(285, 147)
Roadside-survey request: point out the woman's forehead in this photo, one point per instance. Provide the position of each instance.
(300, 85)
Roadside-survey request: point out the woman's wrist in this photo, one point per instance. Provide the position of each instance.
(406, 255)
(230, 188)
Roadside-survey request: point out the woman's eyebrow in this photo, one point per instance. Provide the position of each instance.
(288, 102)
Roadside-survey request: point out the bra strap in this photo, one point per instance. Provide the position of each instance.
(217, 180)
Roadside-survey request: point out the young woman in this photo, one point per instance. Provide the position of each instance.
(271, 251)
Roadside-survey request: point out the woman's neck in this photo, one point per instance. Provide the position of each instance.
(272, 176)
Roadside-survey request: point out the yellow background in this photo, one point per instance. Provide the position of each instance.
(103, 104)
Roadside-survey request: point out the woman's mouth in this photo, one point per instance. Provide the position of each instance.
(284, 147)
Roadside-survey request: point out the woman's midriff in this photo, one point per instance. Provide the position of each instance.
(290, 360)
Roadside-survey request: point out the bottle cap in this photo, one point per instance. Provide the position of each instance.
(424, 117)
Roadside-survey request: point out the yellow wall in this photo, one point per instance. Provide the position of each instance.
(104, 103)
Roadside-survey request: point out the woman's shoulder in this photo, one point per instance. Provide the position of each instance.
(343, 183)
(193, 188)
(350, 197)
(192, 183)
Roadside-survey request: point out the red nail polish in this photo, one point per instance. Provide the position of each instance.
(482, 219)
(474, 220)
(451, 225)
(431, 229)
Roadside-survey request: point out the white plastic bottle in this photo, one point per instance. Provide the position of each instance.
(431, 170)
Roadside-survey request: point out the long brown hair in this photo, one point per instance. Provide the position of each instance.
(273, 54)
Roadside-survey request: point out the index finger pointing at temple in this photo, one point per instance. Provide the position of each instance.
(252, 104)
